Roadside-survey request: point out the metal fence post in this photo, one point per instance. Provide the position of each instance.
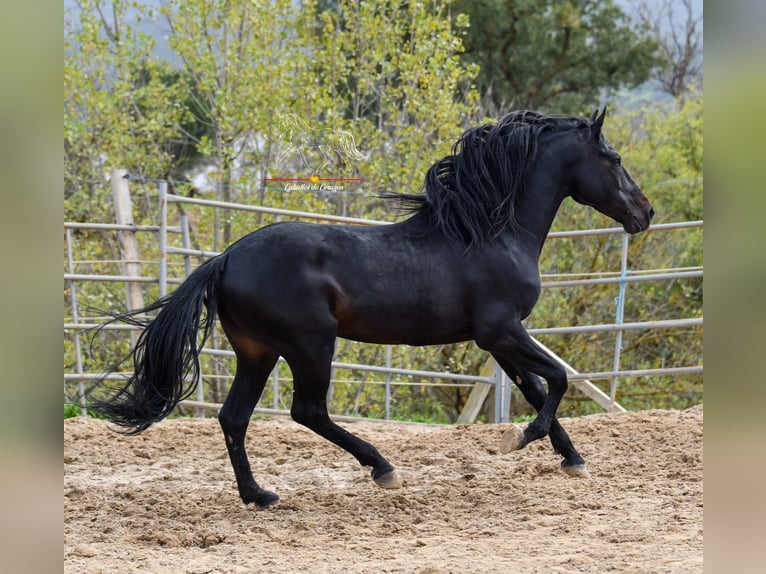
(163, 240)
(388, 382)
(501, 403)
(75, 320)
(186, 242)
(275, 387)
(619, 319)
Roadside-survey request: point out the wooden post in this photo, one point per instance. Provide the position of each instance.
(586, 387)
(123, 212)
(478, 395)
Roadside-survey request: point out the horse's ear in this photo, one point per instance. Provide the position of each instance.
(597, 122)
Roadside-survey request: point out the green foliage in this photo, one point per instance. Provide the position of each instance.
(552, 55)
(74, 410)
(117, 111)
(71, 410)
(390, 75)
(375, 90)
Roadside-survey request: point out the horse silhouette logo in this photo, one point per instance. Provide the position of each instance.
(317, 149)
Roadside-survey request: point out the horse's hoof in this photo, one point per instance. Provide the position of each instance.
(512, 439)
(262, 499)
(390, 479)
(576, 470)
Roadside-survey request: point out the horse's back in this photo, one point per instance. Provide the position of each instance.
(375, 284)
(382, 284)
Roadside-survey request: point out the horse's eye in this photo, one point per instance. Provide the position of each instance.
(617, 160)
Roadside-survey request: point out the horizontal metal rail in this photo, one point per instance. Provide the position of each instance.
(617, 273)
(339, 219)
(104, 326)
(467, 385)
(546, 284)
(113, 261)
(196, 252)
(601, 375)
(629, 278)
(598, 375)
(665, 324)
(116, 278)
(120, 278)
(377, 369)
(117, 227)
(618, 230)
(96, 376)
(275, 211)
(286, 413)
(412, 372)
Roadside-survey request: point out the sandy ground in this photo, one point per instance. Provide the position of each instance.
(165, 501)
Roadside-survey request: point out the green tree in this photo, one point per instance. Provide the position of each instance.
(245, 59)
(680, 40)
(118, 113)
(390, 73)
(554, 56)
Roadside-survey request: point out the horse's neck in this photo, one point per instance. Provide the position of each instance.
(535, 212)
(549, 183)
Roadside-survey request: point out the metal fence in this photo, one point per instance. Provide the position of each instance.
(490, 379)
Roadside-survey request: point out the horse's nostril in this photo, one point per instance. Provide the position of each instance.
(651, 212)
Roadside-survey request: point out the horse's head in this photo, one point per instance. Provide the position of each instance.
(603, 183)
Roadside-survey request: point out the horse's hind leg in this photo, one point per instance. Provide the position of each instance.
(251, 376)
(311, 380)
(534, 392)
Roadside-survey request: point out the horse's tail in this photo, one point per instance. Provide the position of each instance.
(166, 356)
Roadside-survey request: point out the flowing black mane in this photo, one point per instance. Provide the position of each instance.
(472, 194)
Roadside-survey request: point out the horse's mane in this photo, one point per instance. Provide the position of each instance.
(472, 193)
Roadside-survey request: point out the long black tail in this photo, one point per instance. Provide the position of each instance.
(166, 356)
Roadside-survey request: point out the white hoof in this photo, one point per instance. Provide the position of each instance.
(389, 480)
(577, 470)
(512, 439)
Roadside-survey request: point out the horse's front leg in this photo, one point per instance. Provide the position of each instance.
(534, 392)
(521, 354)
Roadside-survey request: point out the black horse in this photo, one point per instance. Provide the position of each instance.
(463, 266)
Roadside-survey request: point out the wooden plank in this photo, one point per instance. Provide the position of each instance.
(478, 395)
(483, 391)
(586, 387)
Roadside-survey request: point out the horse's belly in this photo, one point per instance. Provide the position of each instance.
(412, 339)
(405, 326)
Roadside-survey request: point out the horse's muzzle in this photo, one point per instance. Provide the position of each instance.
(640, 214)
(638, 222)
